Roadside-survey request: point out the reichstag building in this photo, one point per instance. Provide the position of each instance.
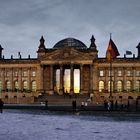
(69, 69)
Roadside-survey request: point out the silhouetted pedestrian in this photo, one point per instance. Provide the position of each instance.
(46, 104)
(112, 104)
(82, 105)
(109, 105)
(74, 105)
(116, 105)
(128, 104)
(1, 105)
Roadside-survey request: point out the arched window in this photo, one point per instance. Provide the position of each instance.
(25, 85)
(101, 86)
(109, 86)
(34, 86)
(8, 86)
(119, 86)
(0, 86)
(128, 86)
(137, 85)
(16, 87)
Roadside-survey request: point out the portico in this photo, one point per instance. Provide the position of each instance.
(67, 79)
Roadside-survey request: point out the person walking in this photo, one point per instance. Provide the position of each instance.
(74, 105)
(1, 106)
(46, 104)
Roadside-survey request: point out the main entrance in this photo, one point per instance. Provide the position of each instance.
(70, 80)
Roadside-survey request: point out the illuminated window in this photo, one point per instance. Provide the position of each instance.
(67, 81)
(128, 85)
(129, 73)
(33, 85)
(15, 73)
(109, 86)
(8, 86)
(25, 85)
(101, 73)
(137, 85)
(7, 73)
(119, 86)
(16, 87)
(119, 72)
(101, 86)
(138, 73)
(76, 80)
(110, 73)
(24, 74)
(33, 73)
(57, 88)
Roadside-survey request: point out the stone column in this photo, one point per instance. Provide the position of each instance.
(106, 79)
(96, 79)
(20, 79)
(29, 80)
(124, 79)
(42, 79)
(71, 79)
(134, 80)
(81, 79)
(52, 79)
(11, 79)
(115, 81)
(61, 79)
(91, 79)
(3, 79)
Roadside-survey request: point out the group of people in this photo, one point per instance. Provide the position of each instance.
(108, 105)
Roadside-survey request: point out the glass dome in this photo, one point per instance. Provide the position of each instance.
(70, 43)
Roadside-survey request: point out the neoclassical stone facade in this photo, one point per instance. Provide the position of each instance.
(69, 68)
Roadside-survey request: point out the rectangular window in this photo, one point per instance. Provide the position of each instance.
(33, 73)
(129, 73)
(138, 73)
(24, 74)
(15, 73)
(7, 73)
(101, 73)
(119, 72)
(110, 73)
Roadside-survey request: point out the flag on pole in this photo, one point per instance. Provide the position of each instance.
(112, 51)
(128, 53)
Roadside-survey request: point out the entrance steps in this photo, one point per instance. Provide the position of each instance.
(62, 99)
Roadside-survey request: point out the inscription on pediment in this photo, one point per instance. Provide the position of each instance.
(67, 55)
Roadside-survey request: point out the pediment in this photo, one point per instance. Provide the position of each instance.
(67, 54)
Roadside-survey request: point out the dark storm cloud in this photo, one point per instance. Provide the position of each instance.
(23, 22)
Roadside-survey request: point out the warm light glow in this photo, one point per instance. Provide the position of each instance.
(57, 80)
(76, 81)
(67, 81)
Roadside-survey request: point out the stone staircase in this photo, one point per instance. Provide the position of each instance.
(62, 100)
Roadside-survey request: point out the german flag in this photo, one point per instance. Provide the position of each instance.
(112, 51)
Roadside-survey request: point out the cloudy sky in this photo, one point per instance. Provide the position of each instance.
(23, 22)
